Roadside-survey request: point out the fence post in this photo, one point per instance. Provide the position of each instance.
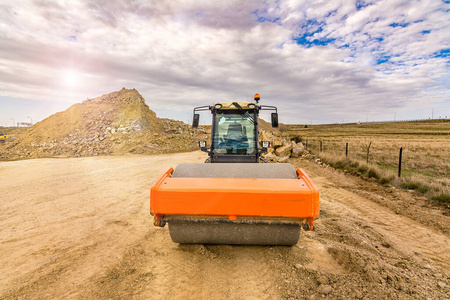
(400, 162)
(346, 149)
(368, 148)
(306, 144)
(320, 146)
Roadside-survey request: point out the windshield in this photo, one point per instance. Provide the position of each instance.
(234, 133)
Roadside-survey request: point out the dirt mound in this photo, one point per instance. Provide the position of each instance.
(119, 122)
(267, 126)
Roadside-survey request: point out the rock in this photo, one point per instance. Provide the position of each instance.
(298, 266)
(427, 266)
(438, 275)
(283, 151)
(325, 289)
(270, 150)
(322, 280)
(266, 136)
(297, 152)
(270, 157)
(441, 284)
(283, 159)
(293, 145)
(277, 142)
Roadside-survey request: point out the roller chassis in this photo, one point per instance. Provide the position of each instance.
(232, 199)
(250, 196)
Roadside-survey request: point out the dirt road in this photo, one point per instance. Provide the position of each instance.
(80, 228)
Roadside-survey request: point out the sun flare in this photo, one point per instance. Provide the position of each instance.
(70, 78)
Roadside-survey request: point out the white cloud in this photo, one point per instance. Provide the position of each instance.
(180, 54)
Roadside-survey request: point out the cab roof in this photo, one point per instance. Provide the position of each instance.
(229, 105)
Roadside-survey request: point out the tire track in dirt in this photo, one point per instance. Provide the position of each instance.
(406, 235)
(160, 269)
(214, 271)
(207, 271)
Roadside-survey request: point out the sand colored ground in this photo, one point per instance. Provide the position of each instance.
(80, 228)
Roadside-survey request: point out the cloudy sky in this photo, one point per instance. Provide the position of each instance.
(317, 61)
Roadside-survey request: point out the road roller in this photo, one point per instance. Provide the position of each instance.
(235, 197)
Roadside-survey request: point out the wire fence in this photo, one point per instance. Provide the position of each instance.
(427, 157)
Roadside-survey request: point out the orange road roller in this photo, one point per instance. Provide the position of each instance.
(235, 198)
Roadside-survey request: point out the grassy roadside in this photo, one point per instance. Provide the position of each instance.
(12, 130)
(435, 190)
(425, 153)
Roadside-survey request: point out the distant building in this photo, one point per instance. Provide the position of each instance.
(24, 124)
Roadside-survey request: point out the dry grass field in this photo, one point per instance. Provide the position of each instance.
(12, 130)
(425, 157)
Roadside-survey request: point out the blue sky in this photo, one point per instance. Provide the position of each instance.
(317, 61)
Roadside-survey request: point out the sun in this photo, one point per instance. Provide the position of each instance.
(70, 78)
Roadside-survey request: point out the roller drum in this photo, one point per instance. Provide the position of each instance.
(234, 234)
(235, 170)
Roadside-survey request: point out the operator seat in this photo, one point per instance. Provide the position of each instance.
(236, 142)
(235, 132)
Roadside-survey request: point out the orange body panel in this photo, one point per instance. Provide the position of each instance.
(285, 198)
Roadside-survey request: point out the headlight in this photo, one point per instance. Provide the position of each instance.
(251, 106)
(218, 106)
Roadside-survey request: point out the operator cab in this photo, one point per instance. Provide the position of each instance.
(234, 132)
